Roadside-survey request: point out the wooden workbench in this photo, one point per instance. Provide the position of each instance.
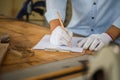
(23, 36)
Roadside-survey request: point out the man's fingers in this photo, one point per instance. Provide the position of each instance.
(69, 32)
(88, 43)
(81, 42)
(64, 42)
(94, 44)
(66, 35)
(95, 41)
(101, 44)
(60, 36)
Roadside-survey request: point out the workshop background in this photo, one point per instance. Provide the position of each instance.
(11, 8)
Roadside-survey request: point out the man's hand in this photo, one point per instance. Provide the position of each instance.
(95, 41)
(60, 36)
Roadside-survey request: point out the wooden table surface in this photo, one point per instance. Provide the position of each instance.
(23, 36)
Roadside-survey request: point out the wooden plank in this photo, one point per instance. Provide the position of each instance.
(57, 73)
(50, 70)
(69, 77)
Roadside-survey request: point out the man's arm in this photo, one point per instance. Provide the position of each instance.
(114, 32)
(53, 24)
(54, 6)
(59, 36)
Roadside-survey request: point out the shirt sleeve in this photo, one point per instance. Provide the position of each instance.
(117, 22)
(54, 6)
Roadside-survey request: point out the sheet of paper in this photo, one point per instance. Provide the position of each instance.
(44, 43)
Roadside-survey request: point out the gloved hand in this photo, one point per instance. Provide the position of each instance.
(95, 41)
(60, 36)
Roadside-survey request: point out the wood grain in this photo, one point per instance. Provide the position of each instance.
(23, 36)
(3, 50)
(58, 73)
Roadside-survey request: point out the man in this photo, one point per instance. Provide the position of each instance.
(98, 20)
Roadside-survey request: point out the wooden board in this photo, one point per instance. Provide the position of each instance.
(50, 71)
(57, 73)
(23, 36)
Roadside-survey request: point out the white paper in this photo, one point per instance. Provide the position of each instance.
(44, 43)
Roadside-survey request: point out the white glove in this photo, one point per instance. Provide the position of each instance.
(60, 36)
(95, 41)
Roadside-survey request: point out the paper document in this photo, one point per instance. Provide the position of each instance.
(45, 44)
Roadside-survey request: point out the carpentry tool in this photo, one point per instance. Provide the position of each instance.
(50, 71)
(4, 39)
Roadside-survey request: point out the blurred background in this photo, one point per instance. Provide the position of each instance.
(15, 8)
(29, 10)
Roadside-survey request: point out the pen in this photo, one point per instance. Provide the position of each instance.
(60, 20)
(69, 42)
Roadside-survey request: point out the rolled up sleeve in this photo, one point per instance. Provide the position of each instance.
(117, 22)
(54, 6)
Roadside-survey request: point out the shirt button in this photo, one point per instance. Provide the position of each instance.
(92, 29)
(92, 17)
(94, 3)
